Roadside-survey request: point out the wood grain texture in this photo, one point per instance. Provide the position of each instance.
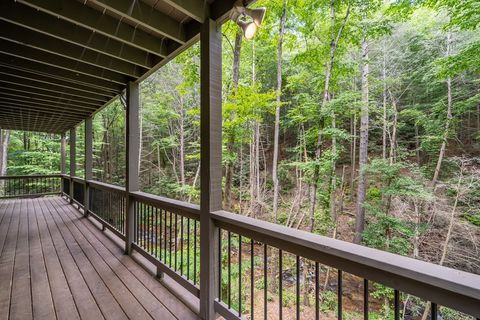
(56, 264)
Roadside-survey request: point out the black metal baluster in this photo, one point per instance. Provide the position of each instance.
(340, 295)
(265, 282)
(229, 261)
(135, 222)
(317, 291)
(434, 312)
(195, 252)
(219, 264)
(170, 242)
(252, 279)
(280, 284)
(165, 238)
(396, 304)
(176, 239)
(298, 287)
(188, 249)
(157, 239)
(181, 245)
(365, 299)
(240, 275)
(151, 231)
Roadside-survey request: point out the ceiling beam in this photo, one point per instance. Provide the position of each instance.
(195, 9)
(49, 101)
(52, 88)
(38, 120)
(27, 103)
(60, 83)
(38, 92)
(16, 110)
(58, 73)
(32, 54)
(11, 127)
(40, 125)
(147, 17)
(106, 25)
(27, 37)
(42, 22)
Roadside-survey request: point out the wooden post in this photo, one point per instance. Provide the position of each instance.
(63, 154)
(88, 161)
(63, 160)
(73, 160)
(211, 162)
(132, 157)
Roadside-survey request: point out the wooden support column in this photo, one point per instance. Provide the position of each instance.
(88, 161)
(73, 160)
(63, 160)
(211, 162)
(63, 154)
(132, 157)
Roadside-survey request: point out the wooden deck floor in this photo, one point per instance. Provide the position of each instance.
(54, 264)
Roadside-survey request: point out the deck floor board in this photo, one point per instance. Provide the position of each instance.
(55, 264)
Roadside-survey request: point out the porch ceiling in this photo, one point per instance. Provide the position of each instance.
(63, 60)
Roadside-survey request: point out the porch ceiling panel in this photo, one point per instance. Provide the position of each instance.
(63, 60)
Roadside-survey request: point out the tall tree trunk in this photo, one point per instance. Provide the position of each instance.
(353, 159)
(393, 143)
(181, 164)
(4, 141)
(231, 137)
(333, 187)
(384, 80)
(363, 149)
(447, 123)
(277, 110)
(417, 144)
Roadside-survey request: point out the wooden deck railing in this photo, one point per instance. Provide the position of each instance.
(29, 186)
(166, 232)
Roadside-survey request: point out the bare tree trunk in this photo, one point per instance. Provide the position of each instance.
(277, 110)
(354, 154)
(363, 149)
(447, 123)
(393, 143)
(231, 137)
(182, 146)
(417, 144)
(4, 141)
(384, 80)
(333, 187)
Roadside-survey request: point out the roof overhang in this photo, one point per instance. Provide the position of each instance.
(63, 60)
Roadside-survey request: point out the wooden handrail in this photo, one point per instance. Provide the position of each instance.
(186, 209)
(35, 176)
(105, 186)
(445, 286)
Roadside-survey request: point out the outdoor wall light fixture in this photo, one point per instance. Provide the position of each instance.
(249, 28)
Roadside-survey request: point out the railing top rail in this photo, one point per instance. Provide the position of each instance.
(105, 186)
(176, 206)
(78, 180)
(33, 176)
(457, 289)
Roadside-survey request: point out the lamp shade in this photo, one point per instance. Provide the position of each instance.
(257, 14)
